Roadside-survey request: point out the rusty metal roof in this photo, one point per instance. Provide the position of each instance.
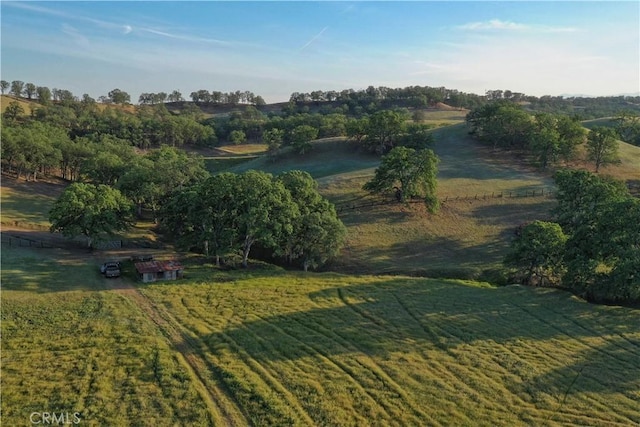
(157, 266)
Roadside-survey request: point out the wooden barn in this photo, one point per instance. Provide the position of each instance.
(152, 271)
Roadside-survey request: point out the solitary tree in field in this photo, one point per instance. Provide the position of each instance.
(90, 210)
(4, 85)
(412, 172)
(602, 146)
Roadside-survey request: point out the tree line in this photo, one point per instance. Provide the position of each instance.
(548, 138)
(44, 95)
(220, 216)
(386, 97)
(66, 139)
(593, 248)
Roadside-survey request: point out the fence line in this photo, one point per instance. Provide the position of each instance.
(19, 241)
(542, 192)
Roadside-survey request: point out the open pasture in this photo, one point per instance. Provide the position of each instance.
(328, 349)
(27, 204)
(72, 344)
(283, 348)
(469, 234)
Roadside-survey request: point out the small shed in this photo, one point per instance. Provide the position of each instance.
(152, 271)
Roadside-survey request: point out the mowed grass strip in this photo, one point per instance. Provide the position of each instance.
(70, 345)
(382, 350)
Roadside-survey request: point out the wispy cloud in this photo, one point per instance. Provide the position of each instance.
(494, 24)
(499, 25)
(125, 29)
(314, 38)
(185, 37)
(76, 36)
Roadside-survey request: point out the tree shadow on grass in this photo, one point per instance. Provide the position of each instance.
(514, 214)
(429, 257)
(398, 315)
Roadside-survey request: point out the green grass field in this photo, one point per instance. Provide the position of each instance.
(27, 204)
(282, 348)
(69, 344)
(464, 238)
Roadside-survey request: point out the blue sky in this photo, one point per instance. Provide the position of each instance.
(276, 48)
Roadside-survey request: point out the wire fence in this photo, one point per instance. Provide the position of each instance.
(16, 240)
(19, 241)
(536, 192)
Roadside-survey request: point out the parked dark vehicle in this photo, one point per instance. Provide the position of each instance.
(110, 269)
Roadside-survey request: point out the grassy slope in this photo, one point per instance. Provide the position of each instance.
(325, 349)
(629, 167)
(26, 105)
(330, 156)
(464, 238)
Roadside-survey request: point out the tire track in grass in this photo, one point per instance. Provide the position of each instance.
(351, 375)
(568, 412)
(220, 402)
(530, 410)
(263, 372)
(634, 345)
(314, 351)
(581, 344)
(440, 370)
(374, 368)
(590, 346)
(310, 351)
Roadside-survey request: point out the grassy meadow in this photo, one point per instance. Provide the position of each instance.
(284, 348)
(329, 349)
(70, 344)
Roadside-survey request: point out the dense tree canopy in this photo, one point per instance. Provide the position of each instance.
(547, 137)
(412, 172)
(93, 211)
(537, 254)
(230, 213)
(595, 247)
(317, 233)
